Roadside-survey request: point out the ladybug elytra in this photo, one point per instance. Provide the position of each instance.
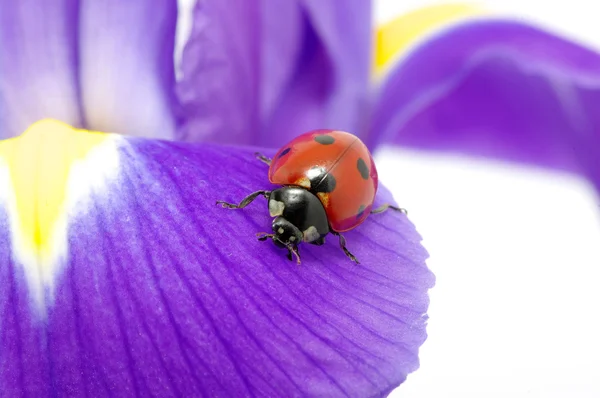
(329, 182)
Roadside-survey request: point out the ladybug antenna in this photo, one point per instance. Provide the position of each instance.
(262, 236)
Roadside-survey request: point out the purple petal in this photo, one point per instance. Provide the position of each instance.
(327, 87)
(500, 89)
(220, 72)
(127, 68)
(163, 293)
(38, 64)
(263, 73)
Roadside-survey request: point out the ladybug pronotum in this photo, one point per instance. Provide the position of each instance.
(329, 182)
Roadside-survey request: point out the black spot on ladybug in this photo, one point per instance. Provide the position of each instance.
(321, 180)
(324, 139)
(284, 152)
(361, 211)
(363, 169)
(327, 184)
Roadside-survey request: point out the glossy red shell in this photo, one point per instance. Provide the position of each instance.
(345, 158)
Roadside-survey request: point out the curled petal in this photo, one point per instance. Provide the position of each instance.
(395, 37)
(161, 292)
(127, 68)
(263, 72)
(38, 64)
(497, 88)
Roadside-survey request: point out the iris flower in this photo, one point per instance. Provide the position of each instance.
(120, 276)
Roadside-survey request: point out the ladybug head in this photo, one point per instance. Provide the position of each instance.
(285, 233)
(299, 216)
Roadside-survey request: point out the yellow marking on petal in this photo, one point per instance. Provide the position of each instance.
(394, 38)
(45, 170)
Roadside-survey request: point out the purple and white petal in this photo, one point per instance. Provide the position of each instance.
(164, 293)
(126, 66)
(38, 65)
(497, 88)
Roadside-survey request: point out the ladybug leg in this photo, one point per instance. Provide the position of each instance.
(388, 206)
(245, 202)
(318, 242)
(343, 246)
(263, 158)
(292, 249)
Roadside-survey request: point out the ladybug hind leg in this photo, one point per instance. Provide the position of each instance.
(386, 207)
(245, 202)
(343, 247)
(263, 158)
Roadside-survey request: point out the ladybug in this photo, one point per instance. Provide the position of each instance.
(329, 182)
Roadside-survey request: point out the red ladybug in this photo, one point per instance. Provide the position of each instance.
(329, 184)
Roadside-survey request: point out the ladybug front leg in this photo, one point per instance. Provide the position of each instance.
(292, 249)
(388, 206)
(263, 158)
(246, 201)
(343, 246)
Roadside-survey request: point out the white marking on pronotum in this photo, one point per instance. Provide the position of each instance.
(311, 234)
(276, 208)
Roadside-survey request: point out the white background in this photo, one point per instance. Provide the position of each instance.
(516, 252)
